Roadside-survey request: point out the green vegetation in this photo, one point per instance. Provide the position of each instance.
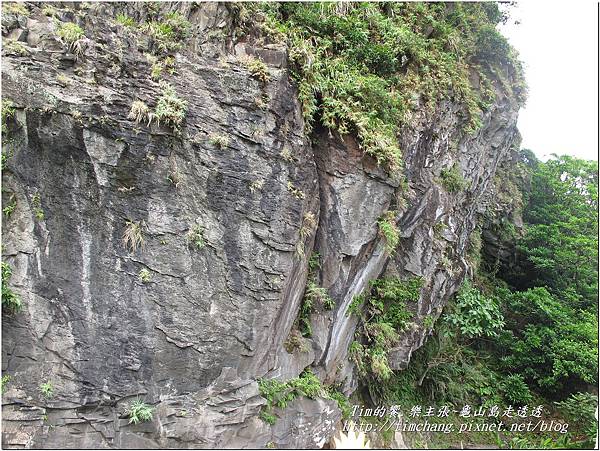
(8, 112)
(125, 20)
(453, 180)
(158, 66)
(389, 231)
(69, 34)
(138, 412)
(4, 382)
(428, 322)
(580, 409)
(295, 342)
(526, 334)
(286, 154)
(550, 343)
(168, 32)
(365, 68)
(132, 236)
(174, 176)
(10, 300)
(170, 109)
(297, 193)
(475, 315)
(10, 208)
(258, 69)
(195, 236)
(256, 185)
(384, 317)
(220, 141)
(267, 417)
(317, 294)
(48, 10)
(516, 390)
(145, 276)
(561, 240)
(342, 401)
(313, 296)
(36, 203)
(15, 48)
(47, 389)
(309, 222)
(140, 112)
(15, 8)
(355, 305)
(279, 394)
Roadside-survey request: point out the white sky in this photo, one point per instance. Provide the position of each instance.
(558, 43)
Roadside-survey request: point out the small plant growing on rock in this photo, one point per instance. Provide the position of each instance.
(309, 221)
(385, 316)
(36, 202)
(3, 382)
(174, 176)
(70, 34)
(220, 141)
(140, 112)
(125, 20)
(48, 10)
(342, 401)
(268, 417)
(453, 180)
(168, 33)
(8, 210)
(295, 341)
(10, 300)
(298, 194)
(428, 322)
(15, 48)
(308, 224)
(63, 80)
(196, 236)
(355, 306)
(280, 394)
(286, 154)
(389, 231)
(8, 112)
(156, 71)
(15, 8)
(138, 412)
(256, 185)
(47, 389)
(258, 69)
(319, 294)
(132, 236)
(145, 276)
(158, 66)
(170, 109)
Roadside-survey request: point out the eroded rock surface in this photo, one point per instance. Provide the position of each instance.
(193, 338)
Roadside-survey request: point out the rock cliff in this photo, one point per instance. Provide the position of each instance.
(169, 263)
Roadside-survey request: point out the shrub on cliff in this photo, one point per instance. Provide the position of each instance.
(366, 68)
(10, 300)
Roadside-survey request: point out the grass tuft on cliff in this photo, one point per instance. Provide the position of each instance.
(279, 394)
(10, 300)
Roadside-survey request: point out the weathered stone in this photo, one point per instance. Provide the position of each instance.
(211, 320)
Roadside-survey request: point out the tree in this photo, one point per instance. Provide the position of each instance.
(560, 247)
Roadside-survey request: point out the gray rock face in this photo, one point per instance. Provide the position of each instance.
(190, 328)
